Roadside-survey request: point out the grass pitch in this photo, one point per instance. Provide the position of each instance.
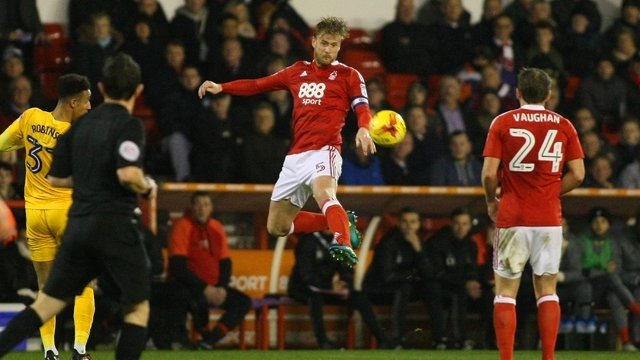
(342, 355)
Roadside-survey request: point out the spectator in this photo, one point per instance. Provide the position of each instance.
(194, 27)
(146, 49)
(491, 81)
(400, 271)
(378, 95)
(282, 102)
(406, 43)
(540, 12)
(240, 11)
(13, 67)
(519, 11)
(81, 13)
(199, 261)
(584, 121)
(280, 44)
(360, 169)
(601, 264)
(8, 188)
(543, 48)
(471, 76)
(564, 10)
(177, 118)
(262, 151)
(215, 143)
(19, 100)
(490, 107)
(506, 52)
(593, 147)
(167, 77)
(91, 52)
(229, 28)
(395, 165)
(604, 94)
(20, 26)
(630, 175)
(579, 42)
(317, 279)
(626, 148)
(18, 282)
(573, 288)
(451, 111)
(452, 38)
(459, 167)
(427, 144)
(483, 30)
(624, 50)
(600, 173)
(431, 13)
(234, 63)
(151, 11)
(629, 19)
(416, 96)
(458, 282)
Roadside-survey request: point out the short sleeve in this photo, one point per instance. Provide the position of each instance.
(574, 149)
(61, 164)
(493, 145)
(130, 144)
(179, 238)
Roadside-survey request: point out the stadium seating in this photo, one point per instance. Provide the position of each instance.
(397, 86)
(49, 84)
(365, 60)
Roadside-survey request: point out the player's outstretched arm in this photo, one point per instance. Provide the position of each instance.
(364, 141)
(209, 86)
(574, 176)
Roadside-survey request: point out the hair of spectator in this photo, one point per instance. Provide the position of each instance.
(14, 82)
(457, 133)
(120, 77)
(99, 15)
(534, 85)
(71, 85)
(460, 211)
(6, 166)
(408, 210)
(262, 105)
(199, 194)
(332, 25)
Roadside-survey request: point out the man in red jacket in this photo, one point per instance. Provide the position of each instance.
(199, 260)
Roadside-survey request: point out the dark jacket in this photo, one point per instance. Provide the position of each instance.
(454, 260)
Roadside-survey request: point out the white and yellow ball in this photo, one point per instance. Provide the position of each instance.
(387, 128)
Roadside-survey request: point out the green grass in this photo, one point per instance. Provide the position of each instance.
(343, 355)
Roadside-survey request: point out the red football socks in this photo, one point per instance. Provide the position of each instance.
(634, 307)
(504, 322)
(623, 334)
(548, 323)
(308, 222)
(338, 221)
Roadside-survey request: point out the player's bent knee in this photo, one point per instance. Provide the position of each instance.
(278, 229)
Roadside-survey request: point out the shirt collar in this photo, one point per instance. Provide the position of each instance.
(532, 107)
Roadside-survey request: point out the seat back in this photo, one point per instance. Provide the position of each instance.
(397, 86)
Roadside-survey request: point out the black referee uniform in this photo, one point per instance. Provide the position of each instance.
(103, 235)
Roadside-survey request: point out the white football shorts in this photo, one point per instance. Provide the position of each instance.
(299, 170)
(514, 246)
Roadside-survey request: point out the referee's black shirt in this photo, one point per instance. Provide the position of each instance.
(102, 141)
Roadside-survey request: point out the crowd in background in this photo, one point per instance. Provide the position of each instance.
(223, 138)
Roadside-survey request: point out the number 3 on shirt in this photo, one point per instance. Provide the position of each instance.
(545, 153)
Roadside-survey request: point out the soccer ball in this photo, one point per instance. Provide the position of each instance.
(387, 128)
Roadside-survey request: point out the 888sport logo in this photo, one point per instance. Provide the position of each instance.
(311, 93)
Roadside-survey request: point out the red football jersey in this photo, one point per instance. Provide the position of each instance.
(322, 97)
(533, 145)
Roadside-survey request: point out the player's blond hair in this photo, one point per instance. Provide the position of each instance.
(332, 25)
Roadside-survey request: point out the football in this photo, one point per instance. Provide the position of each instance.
(387, 128)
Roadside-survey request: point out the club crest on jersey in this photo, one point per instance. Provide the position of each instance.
(304, 73)
(333, 75)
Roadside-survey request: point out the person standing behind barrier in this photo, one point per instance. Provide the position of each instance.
(199, 260)
(316, 280)
(46, 206)
(399, 272)
(630, 270)
(526, 151)
(100, 157)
